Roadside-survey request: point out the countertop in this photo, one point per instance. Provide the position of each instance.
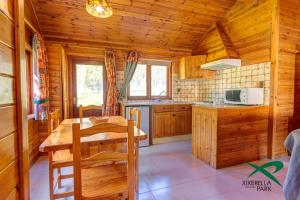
(153, 102)
(172, 102)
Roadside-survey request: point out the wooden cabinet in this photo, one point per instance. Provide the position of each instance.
(181, 121)
(189, 68)
(162, 124)
(203, 134)
(227, 136)
(171, 120)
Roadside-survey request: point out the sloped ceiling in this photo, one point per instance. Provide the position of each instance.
(157, 23)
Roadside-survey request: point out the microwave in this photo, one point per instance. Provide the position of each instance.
(244, 96)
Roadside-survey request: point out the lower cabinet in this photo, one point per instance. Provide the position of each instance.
(171, 121)
(162, 124)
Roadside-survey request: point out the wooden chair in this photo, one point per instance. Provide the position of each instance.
(93, 177)
(86, 108)
(57, 160)
(135, 114)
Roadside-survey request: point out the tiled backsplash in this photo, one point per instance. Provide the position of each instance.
(213, 90)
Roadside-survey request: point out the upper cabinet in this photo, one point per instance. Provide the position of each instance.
(189, 68)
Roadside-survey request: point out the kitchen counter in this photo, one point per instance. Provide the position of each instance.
(216, 106)
(153, 102)
(224, 136)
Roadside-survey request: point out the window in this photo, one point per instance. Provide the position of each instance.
(159, 82)
(150, 81)
(138, 84)
(89, 87)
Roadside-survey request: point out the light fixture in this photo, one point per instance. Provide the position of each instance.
(98, 8)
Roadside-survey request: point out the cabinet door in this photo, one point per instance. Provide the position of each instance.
(188, 121)
(162, 124)
(178, 123)
(181, 122)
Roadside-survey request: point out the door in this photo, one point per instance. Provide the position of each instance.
(162, 124)
(88, 86)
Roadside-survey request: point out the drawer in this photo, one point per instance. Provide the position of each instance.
(162, 108)
(182, 107)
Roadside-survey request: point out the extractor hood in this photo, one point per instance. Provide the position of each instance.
(222, 64)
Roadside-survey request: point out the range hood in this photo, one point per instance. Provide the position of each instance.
(225, 57)
(222, 64)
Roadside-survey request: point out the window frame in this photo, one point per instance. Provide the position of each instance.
(148, 64)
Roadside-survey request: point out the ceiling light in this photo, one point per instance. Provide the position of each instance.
(98, 8)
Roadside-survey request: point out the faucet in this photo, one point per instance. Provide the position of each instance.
(159, 96)
(162, 93)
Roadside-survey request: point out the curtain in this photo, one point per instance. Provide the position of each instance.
(40, 78)
(131, 63)
(111, 104)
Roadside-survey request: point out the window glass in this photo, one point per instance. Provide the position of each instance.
(89, 84)
(138, 84)
(159, 82)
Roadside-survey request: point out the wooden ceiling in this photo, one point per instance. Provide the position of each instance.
(157, 23)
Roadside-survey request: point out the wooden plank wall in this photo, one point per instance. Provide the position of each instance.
(33, 133)
(54, 53)
(248, 24)
(9, 178)
(284, 72)
(242, 135)
(33, 140)
(33, 22)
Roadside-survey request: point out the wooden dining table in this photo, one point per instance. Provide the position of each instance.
(61, 137)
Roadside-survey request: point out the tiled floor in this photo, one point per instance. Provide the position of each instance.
(170, 172)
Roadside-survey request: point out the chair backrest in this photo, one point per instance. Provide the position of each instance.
(86, 108)
(102, 157)
(135, 114)
(53, 120)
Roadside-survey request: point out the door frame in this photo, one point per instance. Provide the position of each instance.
(73, 60)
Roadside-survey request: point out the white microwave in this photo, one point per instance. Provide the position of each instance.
(244, 96)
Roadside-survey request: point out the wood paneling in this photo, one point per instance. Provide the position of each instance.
(54, 52)
(8, 114)
(155, 23)
(248, 26)
(34, 139)
(204, 133)
(284, 49)
(7, 90)
(216, 44)
(8, 180)
(8, 121)
(7, 58)
(8, 150)
(225, 137)
(7, 6)
(6, 30)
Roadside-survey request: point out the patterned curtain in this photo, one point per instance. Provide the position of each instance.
(40, 78)
(111, 104)
(131, 63)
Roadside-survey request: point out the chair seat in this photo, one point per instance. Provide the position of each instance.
(63, 158)
(105, 182)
